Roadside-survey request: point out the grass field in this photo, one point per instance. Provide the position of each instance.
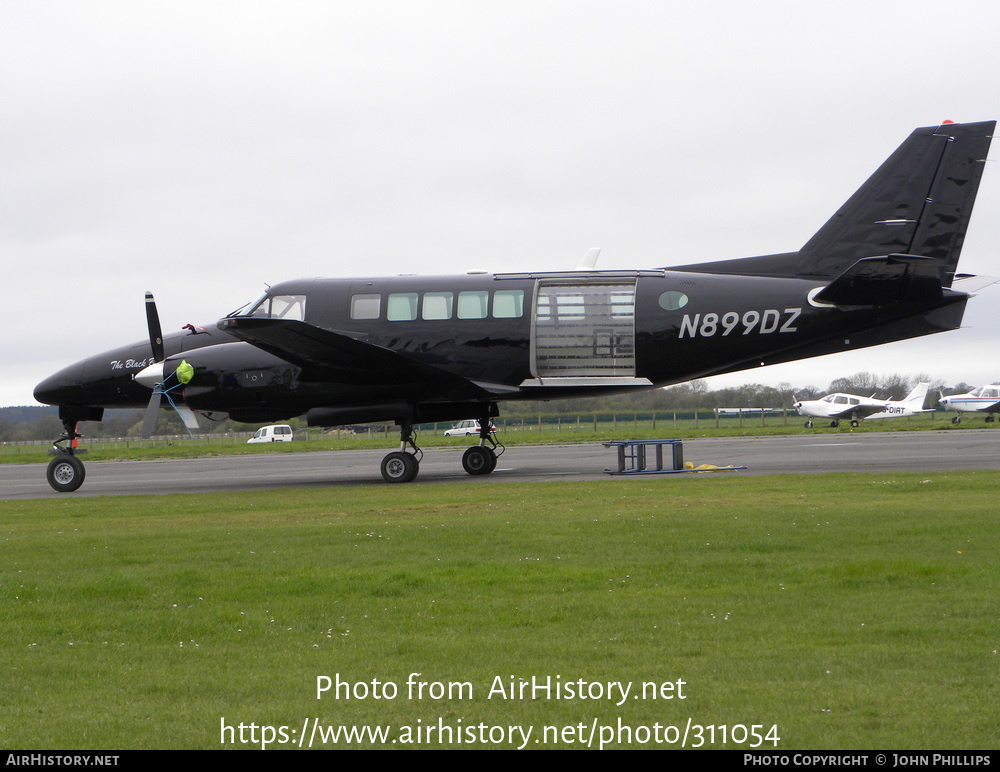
(829, 611)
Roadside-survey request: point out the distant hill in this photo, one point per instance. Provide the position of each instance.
(27, 413)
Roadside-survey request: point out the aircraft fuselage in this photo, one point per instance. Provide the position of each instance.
(519, 336)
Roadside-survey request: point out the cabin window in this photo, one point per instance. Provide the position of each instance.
(473, 305)
(401, 307)
(508, 304)
(437, 305)
(366, 306)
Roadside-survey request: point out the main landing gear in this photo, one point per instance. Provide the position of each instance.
(403, 465)
(66, 472)
(482, 458)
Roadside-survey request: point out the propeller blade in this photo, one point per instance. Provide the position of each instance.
(149, 419)
(153, 323)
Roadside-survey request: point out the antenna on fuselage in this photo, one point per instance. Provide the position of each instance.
(589, 260)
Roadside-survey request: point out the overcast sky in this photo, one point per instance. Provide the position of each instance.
(202, 149)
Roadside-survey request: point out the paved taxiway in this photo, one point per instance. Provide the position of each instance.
(813, 452)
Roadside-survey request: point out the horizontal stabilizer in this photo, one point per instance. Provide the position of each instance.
(882, 280)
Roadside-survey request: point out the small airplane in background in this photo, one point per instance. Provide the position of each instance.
(985, 399)
(417, 350)
(838, 407)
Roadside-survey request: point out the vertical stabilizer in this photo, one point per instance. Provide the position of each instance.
(918, 202)
(918, 395)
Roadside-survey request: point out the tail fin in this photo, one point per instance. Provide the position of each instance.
(918, 395)
(918, 203)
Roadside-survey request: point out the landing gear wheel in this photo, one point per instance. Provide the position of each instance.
(957, 419)
(834, 424)
(854, 424)
(990, 419)
(65, 473)
(479, 460)
(809, 424)
(400, 467)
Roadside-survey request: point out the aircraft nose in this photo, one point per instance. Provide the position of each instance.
(62, 387)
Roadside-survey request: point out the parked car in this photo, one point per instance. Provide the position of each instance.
(467, 429)
(274, 433)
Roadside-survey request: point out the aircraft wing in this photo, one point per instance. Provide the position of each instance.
(858, 411)
(314, 348)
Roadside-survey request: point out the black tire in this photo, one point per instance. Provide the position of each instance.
(65, 473)
(400, 467)
(854, 424)
(834, 424)
(809, 424)
(957, 419)
(479, 460)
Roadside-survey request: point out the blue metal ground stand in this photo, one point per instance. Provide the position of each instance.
(634, 457)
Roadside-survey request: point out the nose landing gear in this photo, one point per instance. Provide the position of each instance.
(66, 472)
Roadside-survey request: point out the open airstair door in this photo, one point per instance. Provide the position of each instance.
(584, 329)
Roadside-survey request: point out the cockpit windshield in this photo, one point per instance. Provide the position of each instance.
(275, 307)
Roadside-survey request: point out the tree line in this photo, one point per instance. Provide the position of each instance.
(22, 424)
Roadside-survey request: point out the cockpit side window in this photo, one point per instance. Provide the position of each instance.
(288, 307)
(275, 307)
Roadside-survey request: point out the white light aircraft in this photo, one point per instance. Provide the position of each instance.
(844, 406)
(985, 399)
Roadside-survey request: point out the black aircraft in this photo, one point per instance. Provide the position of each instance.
(425, 349)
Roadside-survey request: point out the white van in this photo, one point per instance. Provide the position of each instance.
(275, 433)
